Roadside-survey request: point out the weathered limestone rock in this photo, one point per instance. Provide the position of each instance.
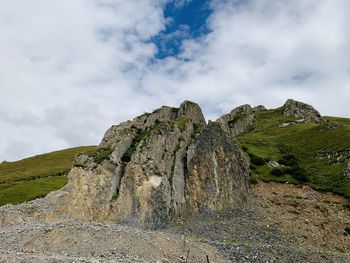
(259, 108)
(239, 120)
(147, 172)
(217, 172)
(301, 110)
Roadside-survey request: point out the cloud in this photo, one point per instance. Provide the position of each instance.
(263, 52)
(63, 66)
(181, 3)
(70, 69)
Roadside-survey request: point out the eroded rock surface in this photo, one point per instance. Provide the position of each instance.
(217, 177)
(239, 120)
(301, 110)
(150, 171)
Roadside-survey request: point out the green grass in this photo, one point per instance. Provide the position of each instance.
(304, 142)
(36, 176)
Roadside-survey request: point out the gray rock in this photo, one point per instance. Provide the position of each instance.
(239, 120)
(82, 160)
(301, 110)
(259, 108)
(218, 173)
(150, 171)
(273, 164)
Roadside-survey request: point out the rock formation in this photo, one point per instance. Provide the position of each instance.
(259, 108)
(301, 110)
(239, 120)
(347, 171)
(157, 168)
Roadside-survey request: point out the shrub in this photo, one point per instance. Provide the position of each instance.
(181, 123)
(288, 160)
(253, 179)
(298, 173)
(244, 148)
(256, 160)
(139, 137)
(100, 155)
(175, 110)
(252, 166)
(280, 170)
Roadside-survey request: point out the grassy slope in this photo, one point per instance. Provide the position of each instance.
(36, 176)
(304, 141)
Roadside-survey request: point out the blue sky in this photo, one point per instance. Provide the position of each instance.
(185, 21)
(71, 69)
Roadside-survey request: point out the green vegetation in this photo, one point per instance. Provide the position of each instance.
(181, 123)
(175, 110)
(135, 142)
(36, 176)
(235, 118)
(297, 147)
(100, 155)
(253, 179)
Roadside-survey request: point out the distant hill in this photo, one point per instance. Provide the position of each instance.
(36, 176)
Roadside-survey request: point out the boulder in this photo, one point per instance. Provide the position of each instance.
(302, 111)
(259, 108)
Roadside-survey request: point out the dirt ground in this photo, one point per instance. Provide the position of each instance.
(280, 223)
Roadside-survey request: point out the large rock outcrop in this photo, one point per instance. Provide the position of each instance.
(157, 168)
(239, 120)
(301, 110)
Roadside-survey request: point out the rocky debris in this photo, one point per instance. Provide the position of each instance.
(277, 226)
(334, 157)
(239, 120)
(77, 241)
(284, 124)
(259, 108)
(273, 164)
(301, 110)
(158, 168)
(279, 223)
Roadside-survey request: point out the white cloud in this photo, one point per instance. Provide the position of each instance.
(70, 69)
(62, 69)
(263, 52)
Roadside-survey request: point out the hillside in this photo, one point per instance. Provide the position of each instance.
(310, 153)
(36, 176)
(177, 187)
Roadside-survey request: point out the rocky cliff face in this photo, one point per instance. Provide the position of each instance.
(301, 110)
(239, 120)
(155, 169)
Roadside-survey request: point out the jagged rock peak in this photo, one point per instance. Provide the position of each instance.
(239, 120)
(188, 110)
(301, 110)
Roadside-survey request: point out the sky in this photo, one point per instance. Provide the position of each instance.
(71, 69)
